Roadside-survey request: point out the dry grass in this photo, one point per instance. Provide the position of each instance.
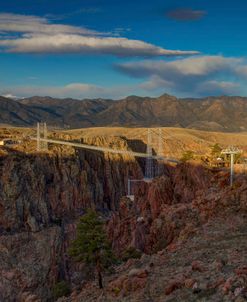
(175, 140)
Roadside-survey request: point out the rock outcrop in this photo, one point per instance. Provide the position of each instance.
(208, 266)
(192, 232)
(173, 205)
(41, 197)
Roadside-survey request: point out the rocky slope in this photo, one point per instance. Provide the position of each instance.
(209, 266)
(227, 114)
(173, 205)
(192, 230)
(12, 112)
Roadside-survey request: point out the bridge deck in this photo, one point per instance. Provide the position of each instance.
(106, 150)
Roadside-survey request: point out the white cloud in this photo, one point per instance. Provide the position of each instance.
(155, 82)
(242, 70)
(83, 44)
(73, 90)
(33, 24)
(219, 87)
(10, 96)
(38, 35)
(195, 66)
(198, 76)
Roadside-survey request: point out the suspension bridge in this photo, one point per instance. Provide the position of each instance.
(154, 163)
(43, 140)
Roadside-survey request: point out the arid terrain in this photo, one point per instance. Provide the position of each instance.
(225, 114)
(175, 141)
(187, 225)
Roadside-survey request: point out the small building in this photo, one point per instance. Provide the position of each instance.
(9, 142)
(218, 162)
(131, 197)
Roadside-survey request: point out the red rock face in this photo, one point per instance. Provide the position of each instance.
(30, 263)
(41, 198)
(171, 208)
(206, 259)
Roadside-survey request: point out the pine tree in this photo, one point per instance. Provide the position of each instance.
(91, 245)
(216, 150)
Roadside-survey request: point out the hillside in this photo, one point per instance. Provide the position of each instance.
(227, 114)
(14, 113)
(175, 141)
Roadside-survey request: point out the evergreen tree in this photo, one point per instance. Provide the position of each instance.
(216, 150)
(187, 155)
(91, 245)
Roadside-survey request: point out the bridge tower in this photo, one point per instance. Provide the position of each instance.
(41, 137)
(149, 167)
(160, 164)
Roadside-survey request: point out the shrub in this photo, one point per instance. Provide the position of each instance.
(187, 155)
(216, 150)
(131, 253)
(60, 289)
(116, 290)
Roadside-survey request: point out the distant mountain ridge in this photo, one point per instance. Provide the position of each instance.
(228, 114)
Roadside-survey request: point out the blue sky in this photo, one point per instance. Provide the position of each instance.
(110, 49)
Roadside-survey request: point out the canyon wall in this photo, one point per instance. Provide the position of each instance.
(173, 206)
(41, 197)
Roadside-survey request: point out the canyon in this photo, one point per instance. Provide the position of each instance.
(188, 225)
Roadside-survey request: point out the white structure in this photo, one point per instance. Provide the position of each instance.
(42, 144)
(40, 139)
(130, 194)
(149, 168)
(9, 142)
(232, 151)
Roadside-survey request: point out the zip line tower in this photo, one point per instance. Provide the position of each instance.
(232, 151)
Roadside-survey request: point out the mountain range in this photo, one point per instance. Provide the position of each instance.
(225, 113)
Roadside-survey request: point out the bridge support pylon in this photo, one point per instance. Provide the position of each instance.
(149, 167)
(41, 137)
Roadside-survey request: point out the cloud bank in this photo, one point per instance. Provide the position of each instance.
(72, 90)
(32, 24)
(197, 76)
(62, 43)
(189, 77)
(32, 34)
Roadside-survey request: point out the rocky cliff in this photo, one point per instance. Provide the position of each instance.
(43, 194)
(173, 205)
(192, 229)
(41, 197)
